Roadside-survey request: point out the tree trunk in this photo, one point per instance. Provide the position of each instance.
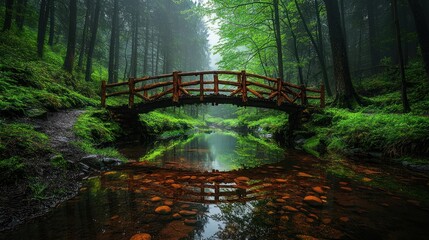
(21, 9)
(277, 33)
(372, 31)
(346, 96)
(422, 28)
(295, 48)
(112, 49)
(146, 49)
(320, 55)
(134, 47)
(52, 22)
(8, 15)
(404, 98)
(43, 22)
(94, 26)
(82, 49)
(71, 45)
(116, 66)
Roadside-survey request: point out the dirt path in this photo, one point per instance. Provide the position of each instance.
(43, 185)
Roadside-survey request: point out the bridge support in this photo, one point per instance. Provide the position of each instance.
(295, 123)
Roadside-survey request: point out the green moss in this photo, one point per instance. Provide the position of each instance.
(18, 139)
(96, 129)
(11, 169)
(311, 145)
(157, 122)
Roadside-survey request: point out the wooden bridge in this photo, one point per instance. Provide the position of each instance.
(215, 87)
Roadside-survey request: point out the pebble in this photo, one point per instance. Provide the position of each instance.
(187, 213)
(305, 237)
(170, 181)
(365, 179)
(241, 179)
(176, 186)
(290, 209)
(313, 201)
(155, 199)
(164, 210)
(177, 216)
(168, 203)
(190, 222)
(141, 236)
(326, 221)
(344, 219)
(284, 218)
(302, 174)
(280, 180)
(318, 190)
(348, 189)
(343, 183)
(280, 200)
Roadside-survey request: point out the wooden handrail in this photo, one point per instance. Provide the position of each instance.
(173, 85)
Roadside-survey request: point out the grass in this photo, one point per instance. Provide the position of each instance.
(96, 129)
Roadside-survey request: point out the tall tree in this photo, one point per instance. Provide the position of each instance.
(51, 22)
(318, 50)
(43, 22)
(422, 27)
(372, 32)
(113, 44)
(135, 34)
(278, 36)
(82, 47)
(346, 96)
(405, 103)
(295, 47)
(21, 9)
(94, 27)
(8, 14)
(71, 45)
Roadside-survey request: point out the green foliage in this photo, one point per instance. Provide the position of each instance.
(58, 161)
(18, 139)
(11, 169)
(96, 127)
(38, 189)
(157, 122)
(27, 82)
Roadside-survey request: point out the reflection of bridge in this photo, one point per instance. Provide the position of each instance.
(239, 88)
(215, 87)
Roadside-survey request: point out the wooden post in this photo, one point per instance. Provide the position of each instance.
(303, 95)
(216, 84)
(176, 86)
(131, 92)
(103, 93)
(279, 91)
(322, 96)
(179, 84)
(244, 85)
(201, 87)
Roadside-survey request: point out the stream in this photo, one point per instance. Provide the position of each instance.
(223, 185)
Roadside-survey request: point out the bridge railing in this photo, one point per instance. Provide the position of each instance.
(207, 83)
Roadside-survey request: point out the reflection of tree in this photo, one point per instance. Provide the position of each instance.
(251, 152)
(243, 221)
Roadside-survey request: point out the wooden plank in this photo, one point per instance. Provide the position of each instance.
(255, 93)
(118, 93)
(287, 97)
(201, 87)
(190, 83)
(244, 86)
(208, 90)
(312, 90)
(184, 91)
(103, 93)
(153, 85)
(261, 85)
(209, 73)
(142, 96)
(116, 84)
(159, 95)
(154, 77)
(228, 83)
(291, 85)
(216, 84)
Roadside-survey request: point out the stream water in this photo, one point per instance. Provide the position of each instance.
(229, 186)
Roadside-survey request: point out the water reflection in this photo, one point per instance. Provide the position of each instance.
(207, 152)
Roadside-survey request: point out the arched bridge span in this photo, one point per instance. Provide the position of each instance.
(216, 87)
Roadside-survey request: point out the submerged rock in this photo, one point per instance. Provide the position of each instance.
(164, 210)
(141, 236)
(187, 213)
(318, 190)
(313, 201)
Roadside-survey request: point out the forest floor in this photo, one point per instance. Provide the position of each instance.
(28, 198)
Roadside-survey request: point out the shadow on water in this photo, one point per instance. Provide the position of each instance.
(174, 191)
